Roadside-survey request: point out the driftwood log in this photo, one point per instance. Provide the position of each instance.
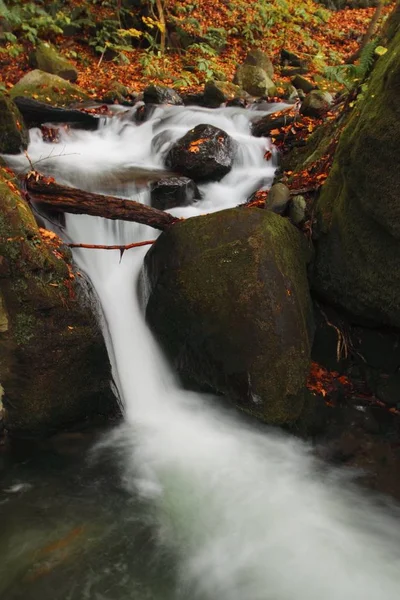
(36, 113)
(61, 198)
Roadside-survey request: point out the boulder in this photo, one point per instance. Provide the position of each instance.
(278, 198)
(205, 153)
(54, 366)
(46, 58)
(160, 94)
(48, 88)
(173, 191)
(258, 58)
(292, 60)
(316, 104)
(297, 210)
(303, 84)
(254, 80)
(228, 298)
(14, 136)
(218, 92)
(358, 211)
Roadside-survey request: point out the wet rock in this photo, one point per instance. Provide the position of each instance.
(14, 136)
(278, 198)
(173, 191)
(256, 348)
(316, 104)
(388, 390)
(205, 153)
(258, 58)
(218, 92)
(46, 58)
(53, 362)
(49, 88)
(118, 93)
(144, 113)
(196, 99)
(303, 84)
(297, 210)
(254, 80)
(160, 94)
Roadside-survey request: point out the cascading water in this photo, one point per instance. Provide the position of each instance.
(249, 514)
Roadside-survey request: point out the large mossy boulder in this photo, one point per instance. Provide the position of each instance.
(228, 298)
(14, 136)
(358, 251)
(204, 153)
(48, 88)
(258, 58)
(54, 367)
(46, 58)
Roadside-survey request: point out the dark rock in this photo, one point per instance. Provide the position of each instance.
(46, 58)
(36, 113)
(389, 390)
(173, 191)
(144, 112)
(278, 198)
(316, 104)
(14, 136)
(193, 99)
(292, 71)
(229, 301)
(292, 60)
(159, 94)
(205, 153)
(301, 83)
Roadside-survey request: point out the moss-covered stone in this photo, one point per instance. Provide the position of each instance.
(13, 133)
(53, 363)
(48, 88)
(254, 80)
(258, 58)
(358, 251)
(217, 92)
(46, 58)
(229, 301)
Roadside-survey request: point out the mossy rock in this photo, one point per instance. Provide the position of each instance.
(48, 88)
(46, 58)
(358, 250)
(254, 80)
(229, 301)
(258, 58)
(14, 136)
(217, 92)
(54, 366)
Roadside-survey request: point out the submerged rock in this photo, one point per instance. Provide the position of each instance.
(205, 153)
(49, 88)
(54, 366)
(229, 301)
(14, 136)
(173, 191)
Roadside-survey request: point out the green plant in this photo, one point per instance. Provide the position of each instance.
(350, 75)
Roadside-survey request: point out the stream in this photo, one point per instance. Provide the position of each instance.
(186, 500)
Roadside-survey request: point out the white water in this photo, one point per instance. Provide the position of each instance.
(249, 513)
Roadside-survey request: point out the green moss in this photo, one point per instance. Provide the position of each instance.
(13, 133)
(233, 309)
(24, 328)
(48, 88)
(358, 252)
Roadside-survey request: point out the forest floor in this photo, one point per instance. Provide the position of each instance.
(319, 36)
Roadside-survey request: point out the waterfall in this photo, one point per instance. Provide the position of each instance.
(249, 513)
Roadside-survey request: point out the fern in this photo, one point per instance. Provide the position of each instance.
(351, 75)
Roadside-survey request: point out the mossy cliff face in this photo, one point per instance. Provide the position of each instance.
(14, 136)
(228, 298)
(358, 250)
(53, 363)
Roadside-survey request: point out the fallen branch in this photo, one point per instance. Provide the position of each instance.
(62, 198)
(101, 247)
